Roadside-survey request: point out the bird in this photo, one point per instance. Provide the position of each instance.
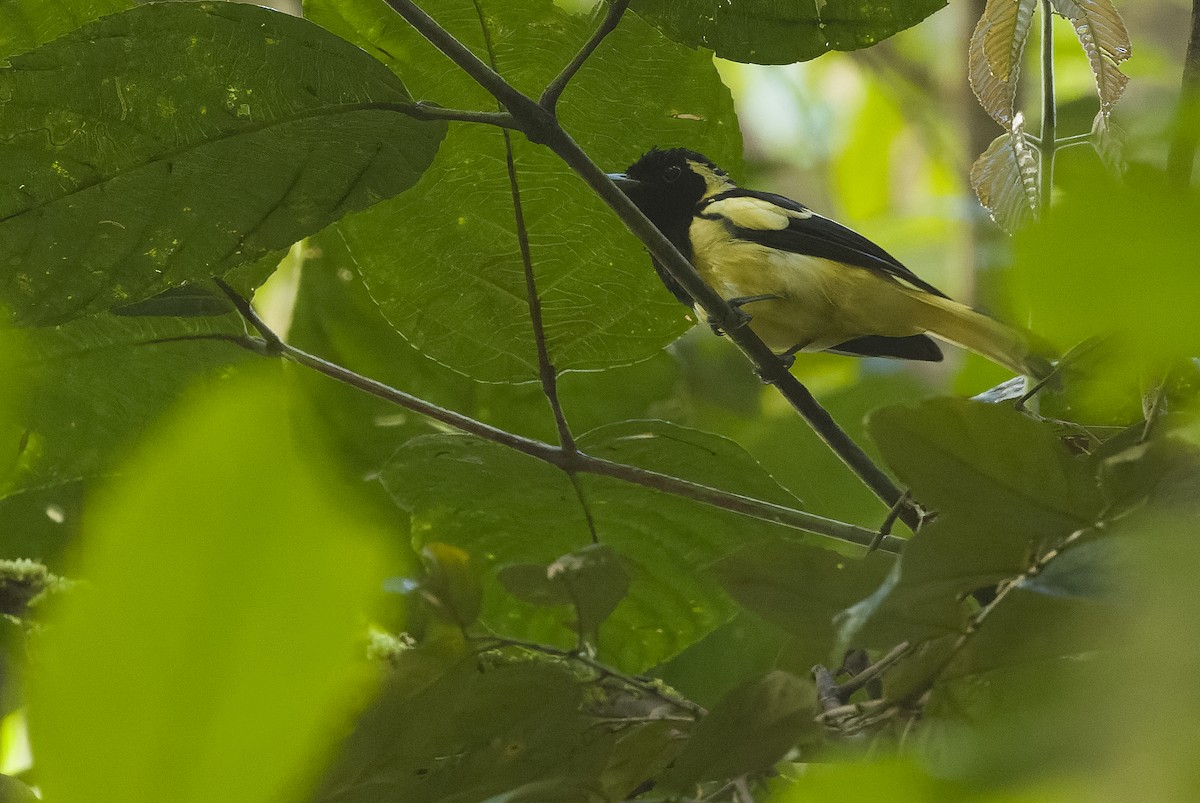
(805, 282)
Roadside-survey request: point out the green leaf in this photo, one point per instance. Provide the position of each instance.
(177, 141)
(994, 55)
(25, 24)
(458, 293)
(504, 507)
(452, 583)
(1105, 41)
(988, 463)
(767, 32)
(470, 735)
(213, 642)
(893, 781)
(1109, 227)
(591, 579)
(751, 729)
(800, 587)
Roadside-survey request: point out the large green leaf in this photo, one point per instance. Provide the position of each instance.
(443, 260)
(177, 141)
(504, 507)
(467, 736)
(213, 643)
(25, 24)
(988, 463)
(770, 32)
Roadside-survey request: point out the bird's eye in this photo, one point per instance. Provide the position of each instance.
(672, 173)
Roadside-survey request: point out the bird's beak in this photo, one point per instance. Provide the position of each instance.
(624, 182)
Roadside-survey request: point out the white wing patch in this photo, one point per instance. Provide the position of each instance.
(755, 213)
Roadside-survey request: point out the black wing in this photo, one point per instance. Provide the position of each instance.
(913, 347)
(818, 236)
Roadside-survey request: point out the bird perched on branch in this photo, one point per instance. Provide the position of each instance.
(806, 282)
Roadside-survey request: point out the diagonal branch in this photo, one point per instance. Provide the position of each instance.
(1183, 146)
(540, 126)
(549, 98)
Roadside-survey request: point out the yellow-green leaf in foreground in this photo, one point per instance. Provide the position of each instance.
(211, 645)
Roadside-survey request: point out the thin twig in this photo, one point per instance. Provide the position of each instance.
(647, 686)
(554, 90)
(1182, 154)
(247, 311)
(540, 126)
(579, 462)
(546, 370)
(585, 505)
(873, 671)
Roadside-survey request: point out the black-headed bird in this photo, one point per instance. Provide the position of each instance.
(806, 282)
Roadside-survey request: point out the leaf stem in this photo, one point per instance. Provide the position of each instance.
(554, 90)
(1049, 141)
(1182, 154)
(425, 110)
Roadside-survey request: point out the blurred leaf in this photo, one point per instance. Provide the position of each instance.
(640, 753)
(452, 583)
(13, 791)
(1137, 243)
(591, 579)
(504, 507)
(1087, 571)
(988, 463)
(213, 642)
(177, 141)
(751, 729)
(472, 734)
(456, 289)
(767, 32)
(994, 56)
(25, 24)
(800, 587)
(553, 791)
(1005, 178)
(1105, 40)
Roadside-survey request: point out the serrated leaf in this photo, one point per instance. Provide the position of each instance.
(216, 634)
(1106, 42)
(25, 24)
(994, 55)
(504, 507)
(990, 464)
(752, 728)
(457, 292)
(768, 32)
(1005, 177)
(177, 141)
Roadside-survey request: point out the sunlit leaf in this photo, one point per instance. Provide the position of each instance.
(1005, 178)
(443, 260)
(25, 24)
(214, 641)
(994, 55)
(766, 32)
(1105, 40)
(177, 141)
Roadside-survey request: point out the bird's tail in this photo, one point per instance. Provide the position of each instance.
(963, 326)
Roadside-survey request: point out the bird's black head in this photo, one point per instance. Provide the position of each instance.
(667, 184)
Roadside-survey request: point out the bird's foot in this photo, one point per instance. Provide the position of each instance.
(740, 316)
